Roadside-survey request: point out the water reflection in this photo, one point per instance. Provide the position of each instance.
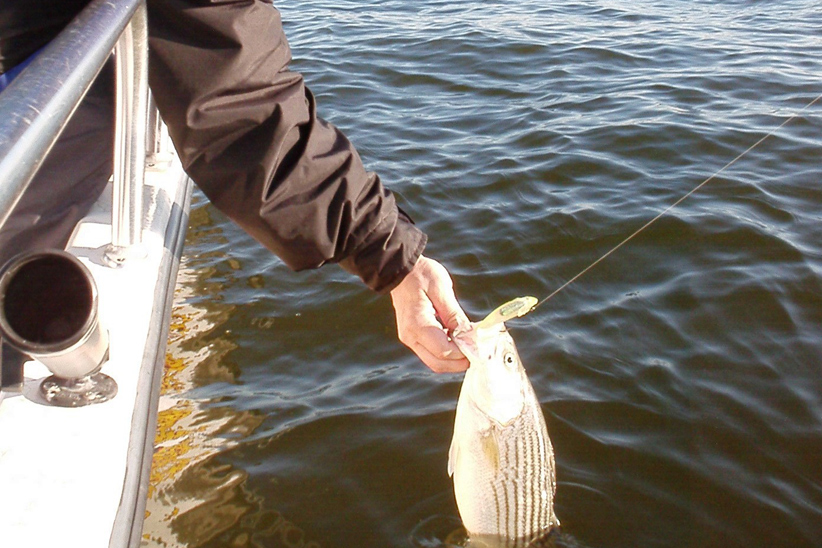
(194, 499)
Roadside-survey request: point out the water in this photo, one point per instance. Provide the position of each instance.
(681, 378)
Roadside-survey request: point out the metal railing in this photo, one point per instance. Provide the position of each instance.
(36, 106)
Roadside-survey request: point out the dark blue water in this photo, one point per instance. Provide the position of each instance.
(681, 378)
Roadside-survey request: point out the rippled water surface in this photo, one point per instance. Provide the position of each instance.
(681, 378)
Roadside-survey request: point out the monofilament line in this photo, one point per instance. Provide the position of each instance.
(676, 203)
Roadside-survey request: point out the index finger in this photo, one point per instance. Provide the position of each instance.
(438, 352)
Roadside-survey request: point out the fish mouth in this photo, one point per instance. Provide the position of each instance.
(472, 339)
(462, 331)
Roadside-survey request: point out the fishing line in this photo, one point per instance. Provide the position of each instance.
(676, 203)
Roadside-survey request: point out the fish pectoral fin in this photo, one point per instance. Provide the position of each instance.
(490, 447)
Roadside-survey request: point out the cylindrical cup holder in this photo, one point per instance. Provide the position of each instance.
(48, 309)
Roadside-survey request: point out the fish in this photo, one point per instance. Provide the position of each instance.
(501, 458)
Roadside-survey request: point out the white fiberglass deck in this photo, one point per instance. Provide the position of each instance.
(76, 477)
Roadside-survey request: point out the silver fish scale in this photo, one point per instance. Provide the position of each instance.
(525, 480)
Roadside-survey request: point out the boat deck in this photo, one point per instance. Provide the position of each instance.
(76, 477)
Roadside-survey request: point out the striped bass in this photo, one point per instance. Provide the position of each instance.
(501, 458)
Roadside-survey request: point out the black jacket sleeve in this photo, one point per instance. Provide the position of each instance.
(247, 131)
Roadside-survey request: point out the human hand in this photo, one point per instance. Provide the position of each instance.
(426, 309)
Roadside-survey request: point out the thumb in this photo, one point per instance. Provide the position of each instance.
(441, 294)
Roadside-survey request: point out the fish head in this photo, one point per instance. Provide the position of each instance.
(495, 379)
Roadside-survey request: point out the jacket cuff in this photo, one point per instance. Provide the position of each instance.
(388, 254)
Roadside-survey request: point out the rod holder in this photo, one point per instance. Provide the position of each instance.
(48, 310)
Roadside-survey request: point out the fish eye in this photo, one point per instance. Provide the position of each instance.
(509, 359)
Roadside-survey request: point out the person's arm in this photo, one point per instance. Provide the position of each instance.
(248, 134)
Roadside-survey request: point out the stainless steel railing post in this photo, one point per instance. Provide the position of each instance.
(36, 106)
(131, 56)
(158, 144)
